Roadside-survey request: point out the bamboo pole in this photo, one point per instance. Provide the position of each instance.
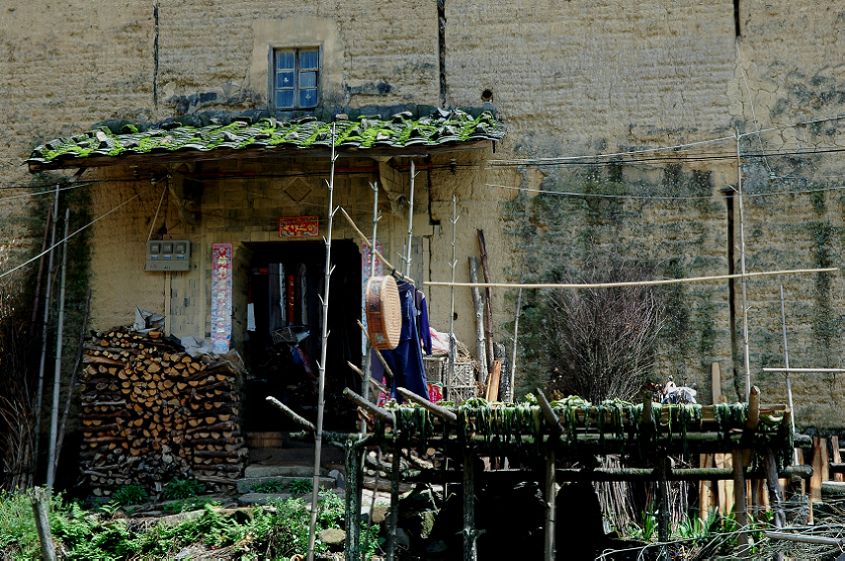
(515, 339)
(453, 343)
(407, 257)
(481, 348)
(775, 493)
(373, 382)
(324, 340)
(744, 281)
(39, 396)
(786, 358)
(622, 284)
(367, 359)
(53, 453)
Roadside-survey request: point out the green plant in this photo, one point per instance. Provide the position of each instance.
(646, 530)
(131, 494)
(183, 505)
(182, 489)
(300, 486)
(271, 486)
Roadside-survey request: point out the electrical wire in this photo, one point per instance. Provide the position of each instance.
(66, 238)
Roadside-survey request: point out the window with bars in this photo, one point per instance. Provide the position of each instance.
(296, 78)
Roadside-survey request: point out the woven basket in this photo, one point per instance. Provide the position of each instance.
(384, 313)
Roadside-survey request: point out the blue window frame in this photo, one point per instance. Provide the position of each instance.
(296, 78)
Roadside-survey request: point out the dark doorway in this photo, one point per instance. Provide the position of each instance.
(282, 344)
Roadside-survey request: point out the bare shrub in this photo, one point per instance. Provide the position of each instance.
(602, 342)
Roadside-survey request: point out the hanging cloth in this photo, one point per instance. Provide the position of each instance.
(406, 359)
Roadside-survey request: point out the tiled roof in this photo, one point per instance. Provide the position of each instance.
(402, 130)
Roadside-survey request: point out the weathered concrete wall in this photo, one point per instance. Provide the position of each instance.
(567, 78)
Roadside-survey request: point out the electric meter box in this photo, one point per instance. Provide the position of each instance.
(168, 255)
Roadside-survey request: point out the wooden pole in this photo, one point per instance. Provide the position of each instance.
(786, 359)
(470, 544)
(53, 453)
(48, 292)
(740, 505)
(365, 239)
(481, 347)
(453, 343)
(663, 518)
(775, 493)
(393, 521)
(435, 409)
(354, 486)
(488, 296)
(324, 343)
(744, 281)
(40, 500)
(369, 407)
(302, 421)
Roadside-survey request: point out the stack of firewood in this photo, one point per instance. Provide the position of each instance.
(152, 413)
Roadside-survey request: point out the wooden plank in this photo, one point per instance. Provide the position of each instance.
(818, 475)
(716, 382)
(837, 456)
(493, 380)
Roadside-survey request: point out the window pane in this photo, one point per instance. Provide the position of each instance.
(309, 58)
(284, 80)
(308, 98)
(284, 99)
(284, 59)
(307, 79)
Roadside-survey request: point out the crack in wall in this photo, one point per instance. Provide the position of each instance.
(155, 54)
(441, 48)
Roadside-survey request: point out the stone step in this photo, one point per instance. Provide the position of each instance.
(280, 484)
(262, 498)
(261, 470)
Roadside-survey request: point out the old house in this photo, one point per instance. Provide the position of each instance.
(630, 129)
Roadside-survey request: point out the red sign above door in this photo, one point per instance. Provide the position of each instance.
(299, 227)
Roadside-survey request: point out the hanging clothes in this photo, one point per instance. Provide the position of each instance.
(423, 327)
(406, 359)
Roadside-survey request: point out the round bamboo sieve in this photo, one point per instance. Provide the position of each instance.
(384, 313)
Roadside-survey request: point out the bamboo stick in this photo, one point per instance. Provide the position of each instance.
(658, 282)
(740, 506)
(512, 396)
(393, 521)
(453, 343)
(551, 417)
(364, 238)
(373, 382)
(367, 359)
(786, 359)
(324, 340)
(744, 280)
